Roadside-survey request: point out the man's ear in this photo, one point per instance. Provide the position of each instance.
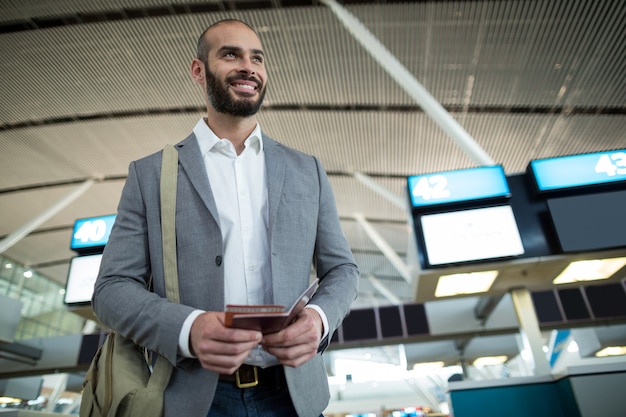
(197, 71)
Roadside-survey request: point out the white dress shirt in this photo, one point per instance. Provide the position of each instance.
(240, 193)
(239, 189)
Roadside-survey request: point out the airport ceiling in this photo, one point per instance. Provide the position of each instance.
(88, 86)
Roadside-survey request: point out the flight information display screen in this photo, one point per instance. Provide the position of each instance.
(579, 170)
(471, 235)
(91, 232)
(81, 278)
(456, 186)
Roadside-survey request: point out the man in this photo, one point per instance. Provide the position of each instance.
(252, 215)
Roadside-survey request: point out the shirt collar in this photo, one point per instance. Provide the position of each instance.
(207, 139)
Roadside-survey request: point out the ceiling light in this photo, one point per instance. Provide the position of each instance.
(590, 270)
(490, 360)
(426, 367)
(10, 400)
(469, 283)
(611, 351)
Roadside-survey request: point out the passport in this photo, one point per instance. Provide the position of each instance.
(267, 318)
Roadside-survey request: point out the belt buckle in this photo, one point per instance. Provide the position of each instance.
(248, 379)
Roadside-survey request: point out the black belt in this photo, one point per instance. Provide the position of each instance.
(248, 376)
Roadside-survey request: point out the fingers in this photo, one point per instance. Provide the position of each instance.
(293, 356)
(221, 349)
(224, 357)
(218, 348)
(298, 342)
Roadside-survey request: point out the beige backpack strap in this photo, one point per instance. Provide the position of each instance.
(169, 177)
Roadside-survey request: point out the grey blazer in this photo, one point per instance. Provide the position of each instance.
(303, 228)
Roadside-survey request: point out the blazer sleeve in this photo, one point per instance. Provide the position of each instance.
(121, 299)
(333, 261)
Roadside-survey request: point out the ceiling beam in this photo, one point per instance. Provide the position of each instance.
(384, 192)
(382, 288)
(384, 247)
(409, 84)
(14, 237)
(485, 306)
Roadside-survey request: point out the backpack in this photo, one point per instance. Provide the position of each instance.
(119, 381)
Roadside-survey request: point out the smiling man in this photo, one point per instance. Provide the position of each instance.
(247, 83)
(252, 216)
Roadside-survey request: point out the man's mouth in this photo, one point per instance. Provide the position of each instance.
(244, 86)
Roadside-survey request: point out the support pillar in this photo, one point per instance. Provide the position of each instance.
(59, 388)
(529, 330)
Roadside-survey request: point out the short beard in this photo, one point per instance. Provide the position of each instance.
(221, 100)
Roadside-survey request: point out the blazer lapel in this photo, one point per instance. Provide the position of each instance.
(275, 169)
(275, 173)
(192, 163)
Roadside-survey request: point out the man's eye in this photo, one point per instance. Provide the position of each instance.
(258, 59)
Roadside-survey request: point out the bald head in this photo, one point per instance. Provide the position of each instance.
(203, 46)
(230, 67)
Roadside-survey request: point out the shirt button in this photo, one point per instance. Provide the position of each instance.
(218, 260)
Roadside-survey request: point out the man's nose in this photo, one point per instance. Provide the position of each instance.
(247, 66)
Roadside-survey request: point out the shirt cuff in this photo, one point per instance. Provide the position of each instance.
(323, 317)
(183, 338)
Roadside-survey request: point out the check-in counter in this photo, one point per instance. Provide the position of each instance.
(580, 391)
(599, 390)
(25, 413)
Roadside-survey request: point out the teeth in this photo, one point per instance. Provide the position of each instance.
(249, 87)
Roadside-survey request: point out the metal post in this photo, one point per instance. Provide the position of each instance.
(407, 82)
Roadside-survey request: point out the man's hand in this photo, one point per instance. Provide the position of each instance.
(298, 342)
(219, 348)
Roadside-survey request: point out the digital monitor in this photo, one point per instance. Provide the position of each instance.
(91, 232)
(390, 321)
(456, 186)
(359, 325)
(589, 222)
(573, 303)
(81, 278)
(416, 319)
(579, 170)
(607, 300)
(471, 235)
